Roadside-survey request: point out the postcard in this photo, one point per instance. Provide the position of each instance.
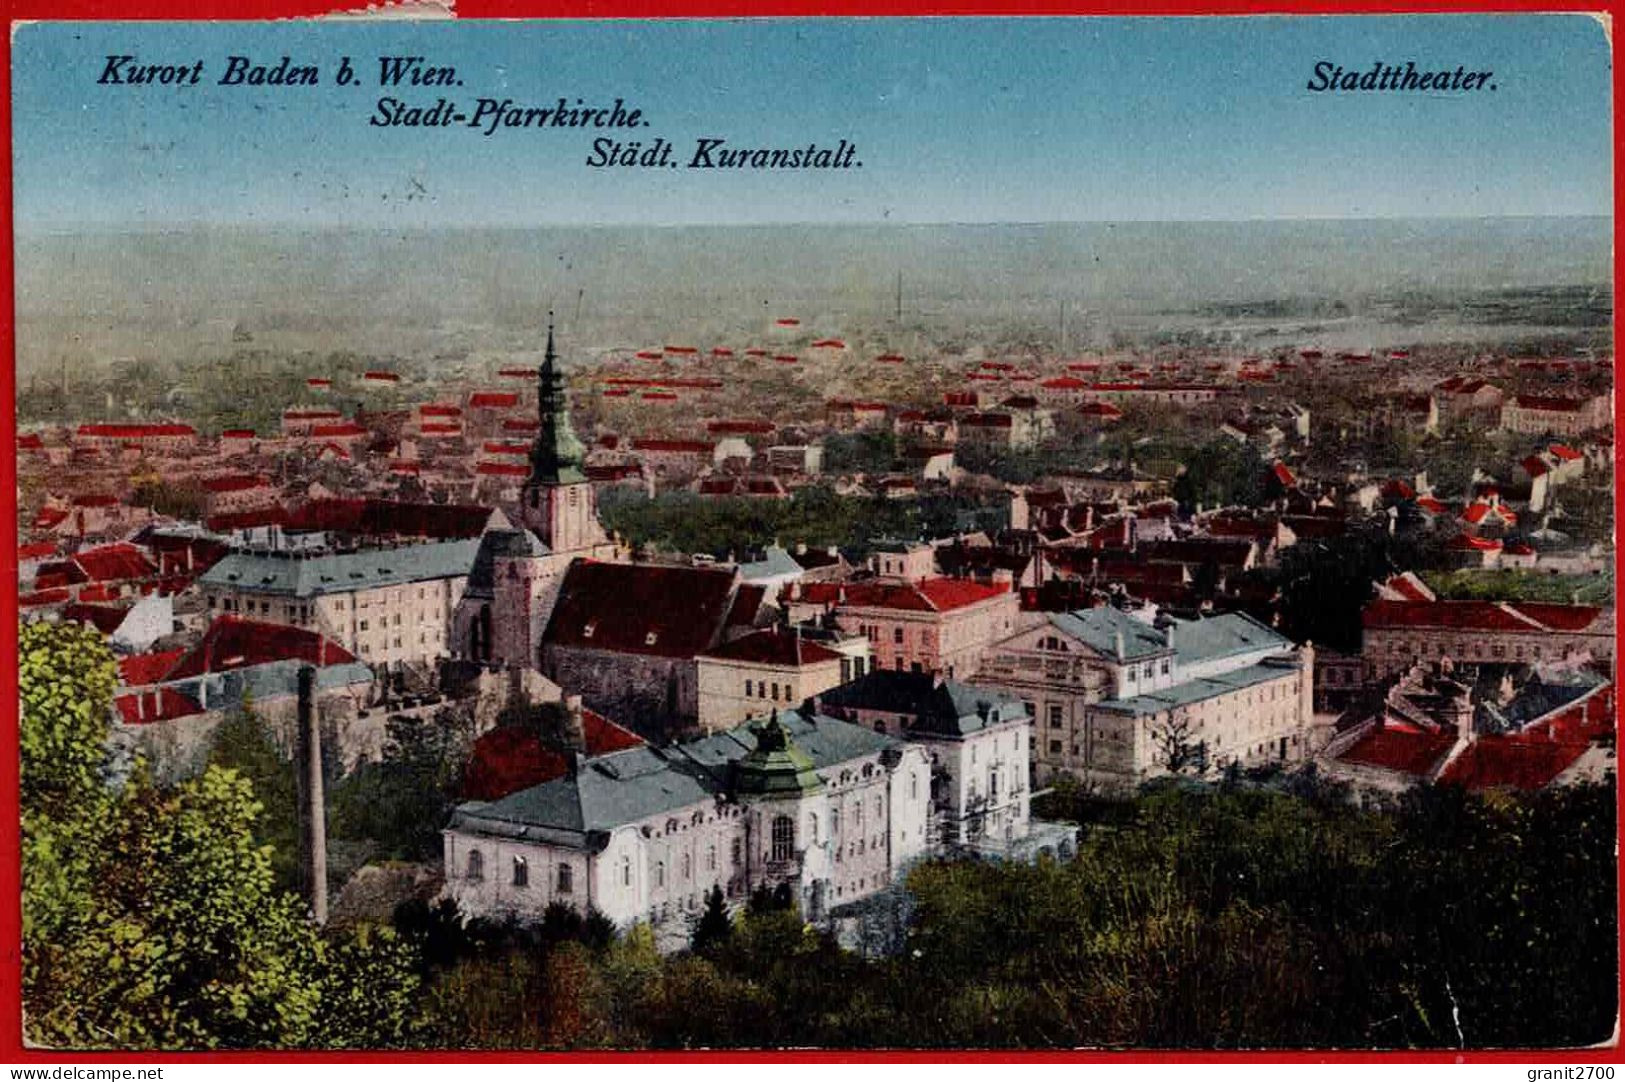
(1068, 534)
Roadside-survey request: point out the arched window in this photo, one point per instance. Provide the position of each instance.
(476, 864)
(784, 837)
(914, 787)
(711, 859)
(812, 830)
(688, 867)
(521, 872)
(660, 873)
(626, 871)
(567, 877)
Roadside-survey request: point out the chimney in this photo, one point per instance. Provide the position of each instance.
(1168, 633)
(1121, 653)
(312, 800)
(575, 732)
(801, 548)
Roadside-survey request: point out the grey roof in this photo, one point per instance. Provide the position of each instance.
(506, 543)
(290, 575)
(1194, 691)
(1098, 628)
(775, 563)
(624, 787)
(946, 708)
(273, 680)
(1213, 637)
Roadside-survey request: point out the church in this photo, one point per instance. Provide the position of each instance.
(517, 571)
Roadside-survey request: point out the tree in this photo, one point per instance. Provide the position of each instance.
(714, 927)
(152, 919)
(401, 802)
(243, 744)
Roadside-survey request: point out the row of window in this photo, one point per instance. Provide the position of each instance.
(475, 870)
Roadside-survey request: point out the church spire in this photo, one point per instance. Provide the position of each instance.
(557, 455)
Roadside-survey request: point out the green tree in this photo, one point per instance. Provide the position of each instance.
(242, 743)
(714, 927)
(401, 802)
(151, 915)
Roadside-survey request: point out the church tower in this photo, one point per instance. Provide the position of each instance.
(557, 502)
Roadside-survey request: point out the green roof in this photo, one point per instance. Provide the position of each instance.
(293, 575)
(776, 766)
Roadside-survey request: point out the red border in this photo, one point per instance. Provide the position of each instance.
(11, 1048)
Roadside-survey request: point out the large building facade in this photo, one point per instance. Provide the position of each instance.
(1398, 634)
(833, 811)
(1117, 699)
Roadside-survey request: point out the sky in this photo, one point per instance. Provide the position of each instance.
(954, 120)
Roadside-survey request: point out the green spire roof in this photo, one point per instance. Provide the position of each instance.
(557, 455)
(776, 766)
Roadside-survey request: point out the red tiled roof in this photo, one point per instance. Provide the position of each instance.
(349, 428)
(382, 377)
(392, 518)
(234, 643)
(650, 355)
(507, 448)
(237, 434)
(134, 431)
(890, 358)
(1283, 474)
(931, 595)
(1064, 383)
(318, 381)
(683, 447)
(310, 415)
(38, 551)
(1534, 466)
(739, 428)
(1402, 748)
(788, 321)
(1099, 409)
(141, 670)
(518, 373)
(104, 618)
(49, 517)
(829, 343)
(439, 409)
(492, 400)
(647, 608)
(115, 563)
(721, 351)
(435, 428)
(659, 396)
(511, 758)
(682, 351)
(30, 442)
(53, 596)
(774, 646)
(1565, 452)
(520, 424)
(163, 704)
(1468, 543)
(502, 469)
(1480, 615)
(1548, 403)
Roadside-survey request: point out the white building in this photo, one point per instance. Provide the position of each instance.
(835, 811)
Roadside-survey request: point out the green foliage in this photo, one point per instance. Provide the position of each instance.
(152, 919)
(816, 516)
(1220, 473)
(243, 744)
(1237, 915)
(400, 802)
(714, 927)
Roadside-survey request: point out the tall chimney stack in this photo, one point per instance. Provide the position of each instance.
(575, 726)
(312, 799)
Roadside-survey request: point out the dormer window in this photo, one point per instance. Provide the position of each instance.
(586, 632)
(649, 639)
